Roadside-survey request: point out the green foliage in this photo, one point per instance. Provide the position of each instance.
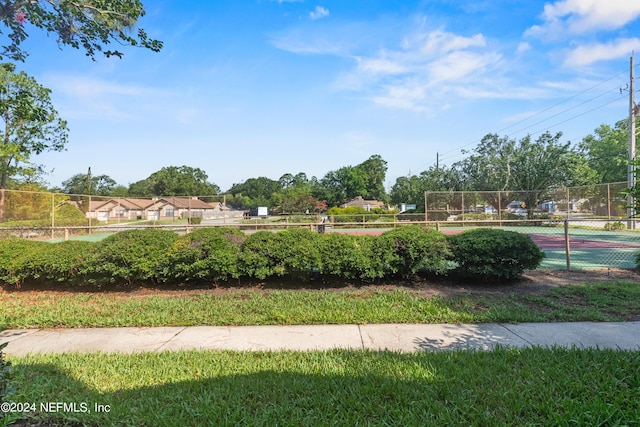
(416, 250)
(61, 262)
(87, 25)
(69, 215)
(488, 254)
(132, 255)
(614, 226)
(175, 181)
(209, 254)
(15, 256)
(291, 252)
(345, 256)
(194, 220)
(606, 152)
(31, 124)
(348, 182)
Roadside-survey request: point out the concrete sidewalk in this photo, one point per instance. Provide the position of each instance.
(400, 337)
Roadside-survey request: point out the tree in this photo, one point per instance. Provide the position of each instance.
(348, 182)
(255, 192)
(101, 185)
(31, 125)
(90, 25)
(411, 189)
(175, 181)
(503, 164)
(606, 151)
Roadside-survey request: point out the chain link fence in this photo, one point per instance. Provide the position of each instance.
(578, 228)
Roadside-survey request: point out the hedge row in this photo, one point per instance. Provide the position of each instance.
(223, 254)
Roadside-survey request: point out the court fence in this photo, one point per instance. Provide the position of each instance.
(582, 228)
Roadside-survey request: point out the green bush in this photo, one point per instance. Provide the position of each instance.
(61, 262)
(344, 256)
(205, 254)
(416, 250)
(15, 256)
(194, 220)
(132, 255)
(614, 226)
(291, 252)
(493, 254)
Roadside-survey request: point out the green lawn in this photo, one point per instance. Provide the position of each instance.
(606, 301)
(461, 388)
(504, 386)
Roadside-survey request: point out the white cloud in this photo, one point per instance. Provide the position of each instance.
(318, 13)
(591, 53)
(379, 66)
(584, 16)
(523, 47)
(87, 96)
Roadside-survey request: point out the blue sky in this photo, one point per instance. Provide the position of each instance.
(248, 88)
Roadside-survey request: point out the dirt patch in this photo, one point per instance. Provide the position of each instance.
(531, 282)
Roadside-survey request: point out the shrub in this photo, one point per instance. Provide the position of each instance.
(291, 252)
(205, 254)
(194, 220)
(614, 226)
(132, 255)
(416, 250)
(493, 254)
(15, 256)
(344, 256)
(68, 215)
(61, 262)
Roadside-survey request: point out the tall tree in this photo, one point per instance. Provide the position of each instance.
(91, 25)
(365, 179)
(411, 189)
(500, 163)
(255, 192)
(175, 181)
(606, 151)
(100, 185)
(31, 125)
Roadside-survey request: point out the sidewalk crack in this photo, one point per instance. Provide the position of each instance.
(171, 339)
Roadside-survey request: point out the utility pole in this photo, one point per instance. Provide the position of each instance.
(631, 179)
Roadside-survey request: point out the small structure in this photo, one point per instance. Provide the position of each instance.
(367, 205)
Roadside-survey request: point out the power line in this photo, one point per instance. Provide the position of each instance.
(444, 155)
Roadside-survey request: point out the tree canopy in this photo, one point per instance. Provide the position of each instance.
(606, 151)
(175, 181)
(91, 25)
(31, 125)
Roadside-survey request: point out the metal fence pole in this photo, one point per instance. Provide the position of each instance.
(567, 245)
(499, 209)
(609, 202)
(53, 214)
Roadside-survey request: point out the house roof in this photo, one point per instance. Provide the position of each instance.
(359, 201)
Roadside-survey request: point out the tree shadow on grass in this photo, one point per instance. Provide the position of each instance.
(336, 387)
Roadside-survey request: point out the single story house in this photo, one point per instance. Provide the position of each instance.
(368, 205)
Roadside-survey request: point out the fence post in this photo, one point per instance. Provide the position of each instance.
(462, 196)
(499, 209)
(426, 214)
(53, 214)
(567, 245)
(609, 202)
(89, 213)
